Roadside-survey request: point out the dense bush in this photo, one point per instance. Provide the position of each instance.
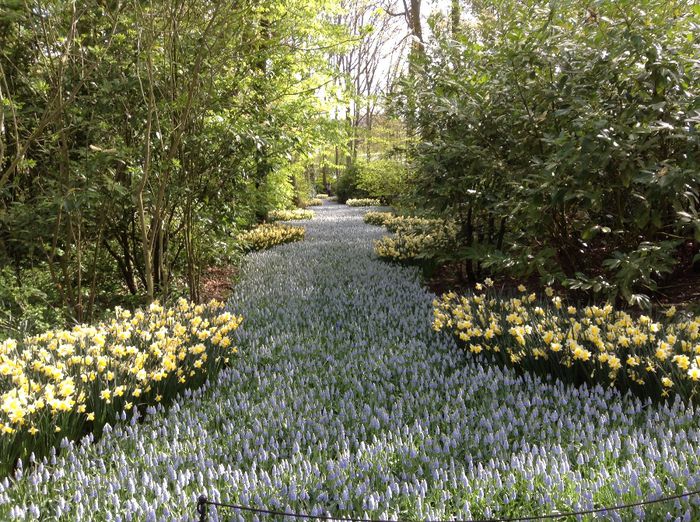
(599, 345)
(346, 186)
(290, 215)
(383, 178)
(270, 234)
(66, 383)
(26, 305)
(562, 136)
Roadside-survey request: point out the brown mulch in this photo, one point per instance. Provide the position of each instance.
(217, 283)
(681, 289)
(449, 277)
(683, 285)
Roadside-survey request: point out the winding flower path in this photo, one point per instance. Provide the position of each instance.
(345, 401)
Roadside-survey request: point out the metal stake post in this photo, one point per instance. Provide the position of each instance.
(202, 508)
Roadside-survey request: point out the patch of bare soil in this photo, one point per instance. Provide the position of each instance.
(217, 283)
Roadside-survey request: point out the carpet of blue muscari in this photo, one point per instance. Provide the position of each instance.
(345, 401)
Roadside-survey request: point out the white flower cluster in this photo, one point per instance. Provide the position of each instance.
(346, 401)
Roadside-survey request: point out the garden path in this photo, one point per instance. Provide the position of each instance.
(344, 399)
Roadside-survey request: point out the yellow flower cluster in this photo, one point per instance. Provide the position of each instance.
(419, 225)
(315, 202)
(363, 202)
(322, 196)
(55, 382)
(609, 345)
(377, 218)
(270, 234)
(289, 215)
(415, 238)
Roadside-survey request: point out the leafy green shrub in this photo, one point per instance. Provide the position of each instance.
(26, 307)
(346, 186)
(276, 191)
(382, 178)
(562, 137)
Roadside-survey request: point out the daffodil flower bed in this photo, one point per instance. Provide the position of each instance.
(415, 238)
(290, 215)
(597, 344)
(363, 202)
(419, 225)
(268, 235)
(65, 383)
(322, 196)
(345, 401)
(377, 218)
(315, 202)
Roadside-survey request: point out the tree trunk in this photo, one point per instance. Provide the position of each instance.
(455, 15)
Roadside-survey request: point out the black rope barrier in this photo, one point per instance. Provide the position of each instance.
(203, 502)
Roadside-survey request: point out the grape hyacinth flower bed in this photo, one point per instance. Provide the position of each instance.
(345, 401)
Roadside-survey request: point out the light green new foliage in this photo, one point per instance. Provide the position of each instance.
(383, 178)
